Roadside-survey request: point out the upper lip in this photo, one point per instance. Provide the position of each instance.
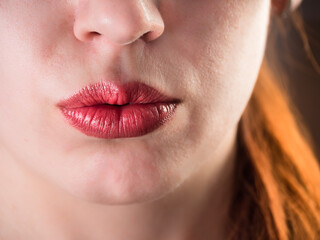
(111, 93)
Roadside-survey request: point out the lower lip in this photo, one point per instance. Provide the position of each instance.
(109, 121)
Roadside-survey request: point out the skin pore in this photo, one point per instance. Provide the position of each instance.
(57, 183)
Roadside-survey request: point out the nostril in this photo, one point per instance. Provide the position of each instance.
(92, 35)
(152, 35)
(89, 36)
(145, 37)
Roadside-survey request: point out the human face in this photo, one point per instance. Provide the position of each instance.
(206, 53)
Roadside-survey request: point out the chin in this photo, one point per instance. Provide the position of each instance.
(119, 180)
(120, 193)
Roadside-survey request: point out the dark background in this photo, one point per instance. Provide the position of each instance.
(304, 80)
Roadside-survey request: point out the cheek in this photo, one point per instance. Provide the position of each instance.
(27, 115)
(225, 53)
(34, 30)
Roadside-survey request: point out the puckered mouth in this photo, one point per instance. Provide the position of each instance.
(109, 93)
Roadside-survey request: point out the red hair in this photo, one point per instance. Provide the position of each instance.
(277, 183)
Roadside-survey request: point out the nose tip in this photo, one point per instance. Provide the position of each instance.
(120, 22)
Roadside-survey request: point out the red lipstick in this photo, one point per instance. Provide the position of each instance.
(109, 110)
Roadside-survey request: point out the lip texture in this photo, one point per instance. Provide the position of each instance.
(108, 110)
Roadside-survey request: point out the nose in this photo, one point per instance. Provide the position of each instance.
(118, 21)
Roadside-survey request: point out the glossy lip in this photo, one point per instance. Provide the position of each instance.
(109, 110)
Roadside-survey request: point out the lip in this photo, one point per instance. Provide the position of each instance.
(109, 110)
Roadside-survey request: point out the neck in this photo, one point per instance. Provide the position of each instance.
(32, 208)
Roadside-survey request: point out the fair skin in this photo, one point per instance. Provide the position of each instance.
(57, 183)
